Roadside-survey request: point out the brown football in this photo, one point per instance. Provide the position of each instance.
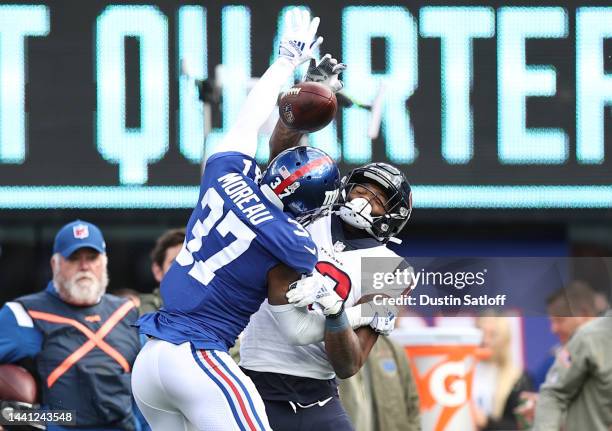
(16, 384)
(307, 107)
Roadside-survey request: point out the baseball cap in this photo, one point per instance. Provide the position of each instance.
(76, 235)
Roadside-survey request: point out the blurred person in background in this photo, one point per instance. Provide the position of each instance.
(571, 307)
(383, 395)
(167, 247)
(568, 309)
(577, 393)
(498, 381)
(80, 338)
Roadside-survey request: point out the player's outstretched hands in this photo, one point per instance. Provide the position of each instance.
(326, 72)
(315, 288)
(300, 39)
(384, 316)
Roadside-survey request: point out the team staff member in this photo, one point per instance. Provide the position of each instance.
(568, 309)
(382, 396)
(80, 338)
(580, 382)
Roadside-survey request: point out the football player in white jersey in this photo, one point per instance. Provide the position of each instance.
(295, 378)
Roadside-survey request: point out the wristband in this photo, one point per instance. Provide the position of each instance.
(337, 323)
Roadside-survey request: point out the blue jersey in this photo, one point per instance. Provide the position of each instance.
(233, 238)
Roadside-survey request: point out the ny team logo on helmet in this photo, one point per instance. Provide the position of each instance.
(397, 190)
(303, 181)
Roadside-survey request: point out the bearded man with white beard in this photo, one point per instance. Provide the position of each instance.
(80, 339)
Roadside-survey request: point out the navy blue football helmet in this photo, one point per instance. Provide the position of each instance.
(398, 207)
(302, 181)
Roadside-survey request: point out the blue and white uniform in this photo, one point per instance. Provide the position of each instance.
(184, 378)
(234, 237)
(219, 279)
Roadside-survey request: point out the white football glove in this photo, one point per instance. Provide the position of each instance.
(300, 38)
(384, 316)
(326, 72)
(315, 289)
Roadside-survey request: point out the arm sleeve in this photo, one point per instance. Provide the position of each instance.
(563, 381)
(298, 325)
(18, 337)
(242, 136)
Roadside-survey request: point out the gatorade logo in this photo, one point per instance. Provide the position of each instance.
(444, 379)
(447, 384)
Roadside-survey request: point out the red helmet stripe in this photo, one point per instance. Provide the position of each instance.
(301, 172)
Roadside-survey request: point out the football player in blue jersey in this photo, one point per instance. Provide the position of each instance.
(244, 242)
(294, 371)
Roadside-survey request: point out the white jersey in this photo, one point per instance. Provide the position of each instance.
(263, 347)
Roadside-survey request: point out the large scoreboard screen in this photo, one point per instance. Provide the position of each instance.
(483, 105)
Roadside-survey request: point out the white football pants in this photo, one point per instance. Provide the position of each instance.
(179, 388)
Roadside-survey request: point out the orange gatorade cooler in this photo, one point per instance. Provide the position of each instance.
(443, 361)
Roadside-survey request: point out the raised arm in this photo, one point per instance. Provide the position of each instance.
(326, 72)
(283, 138)
(296, 47)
